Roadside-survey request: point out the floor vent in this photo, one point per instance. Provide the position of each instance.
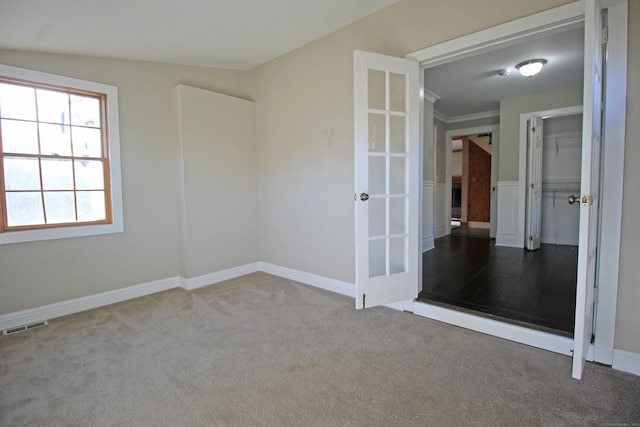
(22, 328)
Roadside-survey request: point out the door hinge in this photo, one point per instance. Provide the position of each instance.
(596, 295)
(605, 35)
(530, 238)
(533, 128)
(587, 200)
(364, 296)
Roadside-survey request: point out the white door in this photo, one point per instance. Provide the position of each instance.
(534, 183)
(387, 179)
(590, 176)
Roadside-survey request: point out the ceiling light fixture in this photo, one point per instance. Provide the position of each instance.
(531, 67)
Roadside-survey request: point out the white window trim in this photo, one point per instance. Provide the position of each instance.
(113, 128)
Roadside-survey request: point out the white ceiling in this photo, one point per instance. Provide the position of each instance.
(472, 85)
(238, 34)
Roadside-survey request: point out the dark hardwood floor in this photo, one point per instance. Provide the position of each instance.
(534, 289)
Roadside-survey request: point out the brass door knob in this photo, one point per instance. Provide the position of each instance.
(573, 199)
(364, 197)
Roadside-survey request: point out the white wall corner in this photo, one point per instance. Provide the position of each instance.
(626, 361)
(331, 285)
(192, 283)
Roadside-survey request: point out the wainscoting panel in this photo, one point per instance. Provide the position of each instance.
(441, 219)
(508, 200)
(428, 214)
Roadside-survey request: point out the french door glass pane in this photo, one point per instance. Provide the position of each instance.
(377, 175)
(397, 92)
(24, 209)
(398, 175)
(377, 217)
(19, 137)
(397, 134)
(377, 133)
(397, 255)
(377, 258)
(377, 90)
(397, 215)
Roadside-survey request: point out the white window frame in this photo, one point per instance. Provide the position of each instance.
(111, 107)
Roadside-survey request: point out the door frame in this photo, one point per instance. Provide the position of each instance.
(449, 136)
(522, 160)
(554, 20)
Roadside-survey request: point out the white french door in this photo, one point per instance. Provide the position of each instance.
(387, 179)
(590, 183)
(535, 143)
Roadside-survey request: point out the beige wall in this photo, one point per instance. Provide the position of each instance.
(510, 110)
(628, 316)
(218, 191)
(310, 90)
(38, 273)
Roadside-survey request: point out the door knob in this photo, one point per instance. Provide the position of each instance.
(573, 199)
(364, 197)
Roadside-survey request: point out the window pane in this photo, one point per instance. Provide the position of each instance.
(85, 111)
(53, 106)
(87, 142)
(19, 137)
(89, 175)
(60, 207)
(91, 206)
(17, 102)
(24, 209)
(55, 140)
(21, 174)
(57, 174)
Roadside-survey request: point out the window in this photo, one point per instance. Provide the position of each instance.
(59, 157)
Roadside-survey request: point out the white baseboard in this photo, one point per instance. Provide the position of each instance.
(509, 240)
(428, 243)
(331, 285)
(440, 231)
(482, 225)
(626, 361)
(219, 276)
(77, 305)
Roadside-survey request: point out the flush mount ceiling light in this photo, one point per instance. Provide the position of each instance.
(531, 67)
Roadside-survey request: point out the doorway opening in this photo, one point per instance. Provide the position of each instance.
(536, 289)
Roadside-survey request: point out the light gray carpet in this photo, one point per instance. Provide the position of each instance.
(262, 350)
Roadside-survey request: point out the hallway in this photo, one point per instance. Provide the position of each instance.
(466, 271)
